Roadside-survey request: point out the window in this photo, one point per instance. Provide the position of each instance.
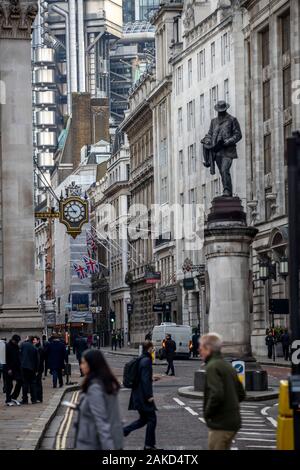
(225, 50)
(226, 90)
(192, 202)
(213, 100)
(180, 121)
(201, 64)
(202, 111)
(212, 57)
(287, 87)
(190, 72)
(164, 190)
(127, 171)
(265, 47)
(191, 115)
(179, 81)
(267, 154)
(181, 165)
(266, 100)
(192, 158)
(163, 152)
(286, 33)
(287, 133)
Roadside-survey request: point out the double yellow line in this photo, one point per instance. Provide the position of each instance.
(63, 431)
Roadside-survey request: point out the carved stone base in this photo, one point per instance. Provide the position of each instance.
(20, 320)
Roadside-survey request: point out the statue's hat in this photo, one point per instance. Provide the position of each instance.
(221, 106)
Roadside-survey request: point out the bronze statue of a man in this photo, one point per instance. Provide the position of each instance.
(219, 145)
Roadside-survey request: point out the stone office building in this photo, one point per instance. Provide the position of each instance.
(272, 68)
(139, 129)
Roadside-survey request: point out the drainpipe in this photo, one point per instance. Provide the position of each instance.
(81, 49)
(73, 45)
(63, 13)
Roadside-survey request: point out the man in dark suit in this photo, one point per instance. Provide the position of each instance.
(223, 135)
(142, 399)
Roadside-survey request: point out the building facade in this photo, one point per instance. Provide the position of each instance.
(138, 126)
(272, 113)
(160, 100)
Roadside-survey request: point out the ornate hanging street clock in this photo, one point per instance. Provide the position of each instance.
(73, 213)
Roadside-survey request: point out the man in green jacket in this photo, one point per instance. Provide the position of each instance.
(223, 392)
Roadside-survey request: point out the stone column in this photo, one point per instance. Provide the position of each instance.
(227, 241)
(18, 306)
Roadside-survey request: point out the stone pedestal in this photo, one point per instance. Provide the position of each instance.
(227, 240)
(18, 307)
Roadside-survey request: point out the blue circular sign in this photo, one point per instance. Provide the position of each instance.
(239, 368)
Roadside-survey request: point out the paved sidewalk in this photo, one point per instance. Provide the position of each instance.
(21, 427)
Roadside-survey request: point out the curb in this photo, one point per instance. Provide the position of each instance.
(41, 424)
(132, 354)
(189, 392)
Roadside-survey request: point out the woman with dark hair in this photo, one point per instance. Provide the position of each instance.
(98, 426)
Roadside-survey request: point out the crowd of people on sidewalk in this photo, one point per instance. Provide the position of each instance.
(26, 363)
(275, 337)
(117, 339)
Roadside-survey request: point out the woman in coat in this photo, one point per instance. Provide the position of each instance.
(98, 425)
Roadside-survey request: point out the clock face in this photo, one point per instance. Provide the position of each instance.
(74, 211)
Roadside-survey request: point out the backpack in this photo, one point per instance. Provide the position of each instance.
(131, 372)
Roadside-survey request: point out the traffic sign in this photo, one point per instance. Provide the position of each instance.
(239, 366)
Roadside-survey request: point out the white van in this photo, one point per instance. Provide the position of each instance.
(181, 334)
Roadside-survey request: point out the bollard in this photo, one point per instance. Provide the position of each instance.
(285, 426)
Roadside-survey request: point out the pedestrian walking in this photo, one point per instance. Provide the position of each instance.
(114, 340)
(3, 362)
(142, 399)
(285, 341)
(56, 359)
(195, 343)
(13, 371)
(119, 339)
(98, 424)
(39, 375)
(170, 349)
(270, 343)
(29, 369)
(80, 346)
(45, 345)
(223, 392)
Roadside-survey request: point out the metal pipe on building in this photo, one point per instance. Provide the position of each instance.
(81, 48)
(73, 44)
(63, 13)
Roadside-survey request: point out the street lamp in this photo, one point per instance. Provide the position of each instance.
(284, 267)
(264, 273)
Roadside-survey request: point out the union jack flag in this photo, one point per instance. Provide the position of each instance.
(92, 246)
(81, 271)
(92, 265)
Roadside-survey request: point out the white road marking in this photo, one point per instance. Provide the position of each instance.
(255, 433)
(253, 439)
(261, 447)
(179, 401)
(254, 424)
(272, 421)
(194, 413)
(258, 430)
(202, 420)
(264, 411)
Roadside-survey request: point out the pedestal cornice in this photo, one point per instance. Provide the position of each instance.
(16, 18)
